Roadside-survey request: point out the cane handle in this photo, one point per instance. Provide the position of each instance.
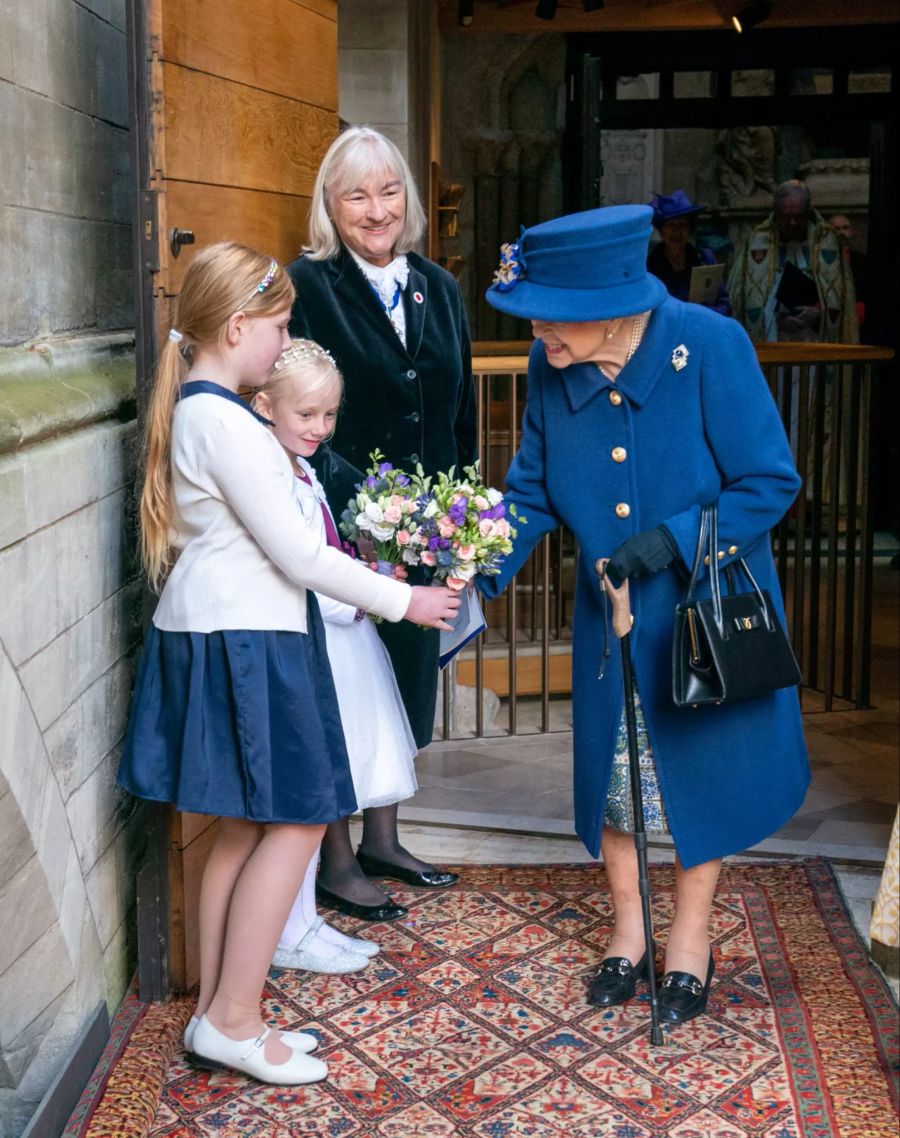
(622, 620)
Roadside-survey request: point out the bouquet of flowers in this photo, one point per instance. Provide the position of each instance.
(463, 526)
(381, 517)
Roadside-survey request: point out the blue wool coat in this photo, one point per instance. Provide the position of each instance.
(729, 775)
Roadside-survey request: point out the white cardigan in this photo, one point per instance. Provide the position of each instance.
(245, 558)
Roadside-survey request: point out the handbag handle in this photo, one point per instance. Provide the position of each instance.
(708, 546)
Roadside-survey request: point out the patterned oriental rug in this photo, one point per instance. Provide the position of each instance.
(473, 1022)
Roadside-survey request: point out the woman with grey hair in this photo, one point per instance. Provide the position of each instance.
(395, 324)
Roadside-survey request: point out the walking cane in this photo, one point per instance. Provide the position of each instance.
(622, 620)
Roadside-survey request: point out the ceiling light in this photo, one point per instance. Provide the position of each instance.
(546, 9)
(752, 14)
(466, 12)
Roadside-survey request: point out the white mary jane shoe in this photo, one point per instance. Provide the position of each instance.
(215, 1052)
(300, 1041)
(335, 963)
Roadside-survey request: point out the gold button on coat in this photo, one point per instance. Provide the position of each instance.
(615, 398)
(720, 554)
(732, 550)
(623, 510)
(619, 454)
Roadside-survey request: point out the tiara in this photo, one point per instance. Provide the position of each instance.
(266, 281)
(303, 350)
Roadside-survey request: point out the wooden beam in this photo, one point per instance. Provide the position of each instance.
(290, 53)
(222, 133)
(658, 15)
(274, 223)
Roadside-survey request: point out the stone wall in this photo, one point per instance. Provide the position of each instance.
(70, 612)
(69, 625)
(65, 255)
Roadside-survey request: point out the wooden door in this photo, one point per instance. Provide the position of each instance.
(234, 103)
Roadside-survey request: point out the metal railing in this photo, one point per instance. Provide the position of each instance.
(823, 547)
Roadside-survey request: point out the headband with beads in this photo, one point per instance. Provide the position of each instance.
(265, 282)
(304, 351)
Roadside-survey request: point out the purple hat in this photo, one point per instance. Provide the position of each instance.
(666, 207)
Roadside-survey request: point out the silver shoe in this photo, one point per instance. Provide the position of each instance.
(359, 945)
(338, 963)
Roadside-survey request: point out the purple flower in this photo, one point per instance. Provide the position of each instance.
(371, 481)
(434, 543)
(402, 480)
(384, 468)
(494, 512)
(443, 543)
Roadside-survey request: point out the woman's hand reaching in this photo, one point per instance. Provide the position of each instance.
(432, 607)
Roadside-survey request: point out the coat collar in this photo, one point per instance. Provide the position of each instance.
(639, 376)
(350, 282)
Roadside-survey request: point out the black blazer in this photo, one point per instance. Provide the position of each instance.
(416, 404)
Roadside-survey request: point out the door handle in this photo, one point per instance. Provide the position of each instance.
(179, 237)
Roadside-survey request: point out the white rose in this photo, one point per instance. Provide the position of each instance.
(374, 511)
(432, 509)
(381, 533)
(363, 522)
(494, 497)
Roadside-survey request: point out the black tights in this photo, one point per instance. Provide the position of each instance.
(339, 870)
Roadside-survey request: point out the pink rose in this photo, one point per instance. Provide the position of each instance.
(393, 515)
(481, 503)
(457, 584)
(446, 528)
(428, 558)
(486, 527)
(501, 527)
(466, 552)
(396, 500)
(402, 537)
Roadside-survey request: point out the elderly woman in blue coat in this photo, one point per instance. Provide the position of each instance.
(641, 409)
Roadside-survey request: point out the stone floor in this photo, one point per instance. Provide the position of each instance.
(503, 800)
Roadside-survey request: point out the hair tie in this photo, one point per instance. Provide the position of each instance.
(175, 336)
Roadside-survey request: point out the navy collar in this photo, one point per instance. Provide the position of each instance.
(207, 387)
(638, 378)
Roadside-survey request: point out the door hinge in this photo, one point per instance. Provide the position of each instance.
(149, 230)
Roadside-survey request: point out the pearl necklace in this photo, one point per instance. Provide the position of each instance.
(638, 327)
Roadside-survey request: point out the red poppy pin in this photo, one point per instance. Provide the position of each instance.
(418, 298)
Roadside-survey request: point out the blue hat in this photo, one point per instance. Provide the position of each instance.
(585, 266)
(666, 207)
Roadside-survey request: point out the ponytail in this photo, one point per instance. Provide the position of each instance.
(156, 498)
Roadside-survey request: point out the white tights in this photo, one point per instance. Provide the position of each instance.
(328, 941)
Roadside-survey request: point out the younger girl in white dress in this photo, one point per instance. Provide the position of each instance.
(301, 400)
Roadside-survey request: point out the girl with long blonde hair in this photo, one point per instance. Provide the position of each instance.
(234, 711)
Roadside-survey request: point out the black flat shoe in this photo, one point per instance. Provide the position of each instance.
(424, 879)
(388, 911)
(615, 981)
(682, 996)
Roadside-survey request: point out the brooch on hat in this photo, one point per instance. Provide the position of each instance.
(680, 357)
(512, 267)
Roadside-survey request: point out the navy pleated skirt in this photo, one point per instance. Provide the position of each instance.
(244, 724)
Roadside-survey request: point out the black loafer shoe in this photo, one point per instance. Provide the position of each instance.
(615, 981)
(682, 996)
(388, 911)
(424, 879)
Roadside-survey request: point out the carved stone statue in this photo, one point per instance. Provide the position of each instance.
(746, 163)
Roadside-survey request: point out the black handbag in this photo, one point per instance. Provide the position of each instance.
(731, 646)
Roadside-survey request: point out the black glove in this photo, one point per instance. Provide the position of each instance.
(646, 552)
